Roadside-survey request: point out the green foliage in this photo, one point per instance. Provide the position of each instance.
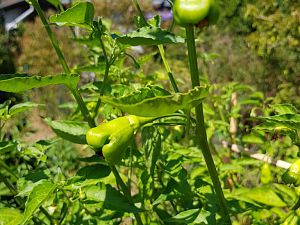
(149, 102)
(161, 176)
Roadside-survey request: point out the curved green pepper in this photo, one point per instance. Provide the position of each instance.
(114, 136)
(292, 175)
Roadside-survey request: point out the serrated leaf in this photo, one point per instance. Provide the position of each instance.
(81, 15)
(142, 103)
(284, 109)
(73, 131)
(18, 108)
(148, 36)
(22, 82)
(7, 146)
(10, 216)
(289, 120)
(36, 198)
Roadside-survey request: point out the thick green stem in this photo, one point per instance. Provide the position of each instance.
(126, 192)
(63, 62)
(200, 126)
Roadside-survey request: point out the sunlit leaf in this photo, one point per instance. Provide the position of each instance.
(73, 131)
(81, 15)
(148, 36)
(10, 216)
(21, 82)
(38, 195)
(148, 102)
(18, 108)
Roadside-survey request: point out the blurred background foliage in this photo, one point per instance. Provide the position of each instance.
(254, 42)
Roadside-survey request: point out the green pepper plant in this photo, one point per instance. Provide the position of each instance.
(149, 154)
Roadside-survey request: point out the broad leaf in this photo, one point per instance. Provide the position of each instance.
(264, 195)
(70, 130)
(38, 195)
(147, 102)
(81, 15)
(21, 82)
(110, 197)
(148, 36)
(9, 216)
(116, 201)
(22, 107)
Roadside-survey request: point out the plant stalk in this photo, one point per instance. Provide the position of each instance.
(63, 62)
(126, 192)
(170, 74)
(201, 135)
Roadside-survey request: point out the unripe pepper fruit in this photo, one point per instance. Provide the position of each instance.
(113, 137)
(194, 11)
(292, 175)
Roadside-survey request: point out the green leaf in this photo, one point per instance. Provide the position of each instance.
(7, 146)
(38, 195)
(22, 107)
(96, 171)
(73, 131)
(291, 121)
(10, 216)
(284, 109)
(185, 217)
(279, 128)
(288, 194)
(148, 103)
(116, 201)
(81, 15)
(148, 36)
(111, 198)
(21, 82)
(264, 195)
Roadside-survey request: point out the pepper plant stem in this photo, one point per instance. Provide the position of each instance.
(170, 74)
(126, 192)
(63, 62)
(200, 125)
